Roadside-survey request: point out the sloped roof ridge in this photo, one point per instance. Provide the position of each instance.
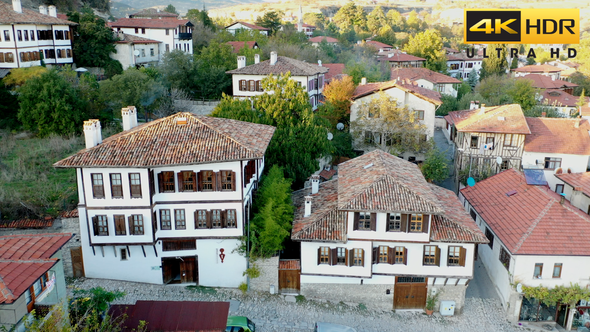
(532, 227)
(5, 291)
(319, 219)
(496, 110)
(220, 132)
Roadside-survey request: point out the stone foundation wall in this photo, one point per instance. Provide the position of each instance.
(372, 296)
(269, 275)
(449, 293)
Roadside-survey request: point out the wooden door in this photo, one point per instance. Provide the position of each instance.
(187, 269)
(167, 270)
(77, 262)
(289, 280)
(409, 293)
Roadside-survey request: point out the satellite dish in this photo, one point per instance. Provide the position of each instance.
(519, 288)
(136, 52)
(499, 160)
(330, 136)
(340, 126)
(470, 181)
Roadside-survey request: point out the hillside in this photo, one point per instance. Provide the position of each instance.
(182, 6)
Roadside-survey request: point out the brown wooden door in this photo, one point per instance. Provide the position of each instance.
(187, 269)
(167, 270)
(77, 262)
(289, 280)
(411, 294)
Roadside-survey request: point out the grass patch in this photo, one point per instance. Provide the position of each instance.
(202, 289)
(300, 299)
(362, 306)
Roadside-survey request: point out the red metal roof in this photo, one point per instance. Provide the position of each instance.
(174, 316)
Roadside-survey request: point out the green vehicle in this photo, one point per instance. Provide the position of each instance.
(239, 324)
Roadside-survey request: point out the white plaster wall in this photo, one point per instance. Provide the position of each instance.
(124, 55)
(119, 202)
(214, 273)
(577, 164)
(239, 26)
(112, 238)
(381, 234)
(80, 186)
(575, 269)
(576, 198)
(301, 79)
(156, 34)
(309, 260)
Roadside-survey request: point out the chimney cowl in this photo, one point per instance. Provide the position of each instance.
(273, 58)
(256, 58)
(363, 81)
(52, 11)
(307, 211)
(129, 116)
(241, 61)
(315, 184)
(17, 6)
(92, 133)
(43, 10)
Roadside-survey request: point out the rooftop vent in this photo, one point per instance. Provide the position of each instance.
(368, 166)
(510, 193)
(180, 121)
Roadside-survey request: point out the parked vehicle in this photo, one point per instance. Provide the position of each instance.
(329, 327)
(239, 324)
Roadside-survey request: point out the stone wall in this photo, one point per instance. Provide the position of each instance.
(269, 275)
(450, 293)
(200, 107)
(372, 296)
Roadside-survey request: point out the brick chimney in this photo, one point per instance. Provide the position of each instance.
(92, 133)
(315, 184)
(17, 6)
(307, 206)
(241, 61)
(273, 58)
(52, 11)
(129, 116)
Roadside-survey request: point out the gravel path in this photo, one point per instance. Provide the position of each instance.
(272, 313)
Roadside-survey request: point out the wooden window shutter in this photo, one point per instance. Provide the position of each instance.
(95, 225)
(180, 177)
(160, 182)
(425, 219)
(319, 254)
(405, 256)
(223, 216)
(334, 256)
(194, 181)
(350, 256)
(214, 179)
(257, 85)
(345, 257)
(209, 219)
(200, 181)
(242, 85)
(233, 181)
(375, 255)
(390, 255)
(404, 226)
(196, 218)
(355, 225)
(463, 254)
(130, 222)
(437, 256)
(373, 221)
(363, 256)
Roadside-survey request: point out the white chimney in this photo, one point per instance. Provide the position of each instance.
(482, 109)
(363, 81)
(43, 10)
(52, 11)
(17, 6)
(307, 206)
(390, 55)
(273, 58)
(315, 184)
(129, 115)
(241, 61)
(256, 58)
(472, 105)
(92, 133)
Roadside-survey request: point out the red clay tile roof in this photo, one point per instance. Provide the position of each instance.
(249, 25)
(305, 25)
(560, 98)
(238, 45)
(532, 221)
(282, 66)
(319, 39)
(463, 57)
(131, 39)
(455, 225)
(335, 70)
(545, 82)
(202, 139)
(496, 119)
(390, 184)
(327, 175)
(577, 180)
(399, 57)
(148, 23)
(153, 12)
(377, 44)
(27, 223)
(537, 69)
(558, 135)
(69, 214)
(24, 259)
(9, 16)
(451, 50)
(420, 92)
(289, 264)
(422, 73)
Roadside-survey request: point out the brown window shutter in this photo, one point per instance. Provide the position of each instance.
(425, 219)
(217, 181)
(200, 181)
(390, 255)
(209, 219)
(373, 221)
(160, 182)
(180, 177)
(404, 226)
(355, 225)
(223, 215)
(196, 219)
(437, 256)
(241, 85)
(345, 257)
(405, 256)
(375, 255)
(462, 256)
(95, 225)
(350, 257)
(130, 222)
(363, 256)
(334, 256)
(233, 181)
(194, 176)
(257, 85)
(319, 254)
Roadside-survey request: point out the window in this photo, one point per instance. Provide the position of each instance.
(505, 258)
(123, 254)
(135, 185)
(165, 220)
(394, 222)
(473, 214)
(167, 47)
(6, 35)
(416, 222)
(383, 251)
(201, 219)
(456, 256)
(559, 188)
(259, 86)
(419, 115)
(97, 186)
(143, 52)
(187, 181)
(252, 85)
(26, 35)
(19, 35)
(358, 257)
(228, 181)
(1, 57)
(557, 270)
(230, 218)
(474, 142)
(505, 165)
(66, 35)
(490, 142)
(120, 225)
(143, 31)
(324, 257)
(166, 182)
(167, 32)
(207, 180)
(116, 186)
(216, 218)
(431, 255)
(538, 272)
(9, 57)
(152, 52)
(341, 256)
(243, 85)
(401, 254)
(490, 237)
(369, 139)
(552, 163)
(173, 245)
(68, 53)
(101, 227)
(509, 140)
(364, 221)
(136, 224)
(179, 220)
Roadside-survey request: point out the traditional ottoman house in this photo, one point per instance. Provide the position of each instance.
(379, 234)
(459, 65)
(546, 70)
(239, 26)
(167, 201)
(172, 33)
(429, 79)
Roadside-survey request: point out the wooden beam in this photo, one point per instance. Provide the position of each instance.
(102, 250)
(115, 250)
(155, 251)
(143, 249)
(128, 252)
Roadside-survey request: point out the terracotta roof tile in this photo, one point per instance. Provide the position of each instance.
(577, 180)
(319, 39)
(558, 135)
(398, 56)
(238, 45)
(148, 23)
(545, 82)
(282, 66)
(289, 264)
(377, 44)
(422, 73)
(153, 12)
(420, 92)
(327, 175)
(9, 16)
(27, 223)
(496, 119)
(335, 70)
(69, 214)
(163, 142)
(249, 25)
(131, 39)
(537, 69)
(305, 25)
(560, 98)
(463, 57)
(532, 221)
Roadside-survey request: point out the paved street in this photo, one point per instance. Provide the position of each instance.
(271, 313)
(443, 145)
(481, 286)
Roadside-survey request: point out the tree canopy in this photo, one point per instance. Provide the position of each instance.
(428, 45)
(494, 65)
(270, 20)
(350, 17)
(170, 9)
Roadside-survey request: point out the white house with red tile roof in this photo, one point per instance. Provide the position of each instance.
(379, 234)
(27, 36)
(168, 201)
(238, 45)
(31, 276)
(237, 26)
(408, 94)
(381, 47)
(535, 238)
(315, 41)
(562, 101)
(308, 29)
(399, 59)
(173, 34)
(557, 145)
(460, 65)
(547, 70)
(136, 51)
(577, 189)
(428, 79)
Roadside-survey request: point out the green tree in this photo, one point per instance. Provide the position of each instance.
(93, 39)
(522, 92)
(414, 23)
(170, 9)
(386, 35)
(464, 88)
(8, 108)
(578, 78)
(449, 104)
(195, 15)
(338, 94)
(350, 17)
(18, 76)
(494, 65)
(179, 71)
(396, 20)
(428, 45)
(316, 19)
(473, 79)
(436, 166)
(270, 20)
(530, 61)
(49, 104)
(494, 90)
(376, 20)
(582, 100)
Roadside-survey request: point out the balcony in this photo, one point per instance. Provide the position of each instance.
(185, 35)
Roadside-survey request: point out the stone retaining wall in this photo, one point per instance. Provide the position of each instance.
(372, 296)
(269, 275)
